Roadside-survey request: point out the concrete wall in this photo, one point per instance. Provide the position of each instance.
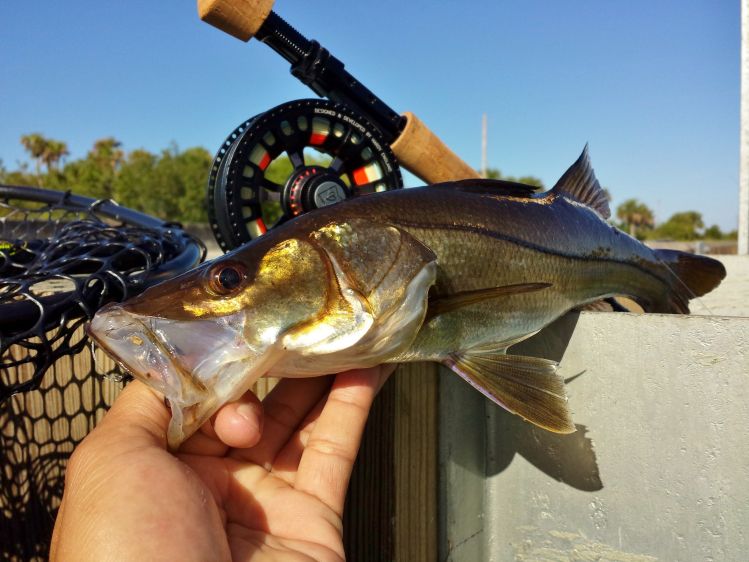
(659, 467)
(731, 298)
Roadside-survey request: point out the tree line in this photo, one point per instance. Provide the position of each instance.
(171, 185)
(638, 219)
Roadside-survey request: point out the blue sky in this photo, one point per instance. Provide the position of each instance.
(652, 86)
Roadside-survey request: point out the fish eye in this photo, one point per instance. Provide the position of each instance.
(227, 277)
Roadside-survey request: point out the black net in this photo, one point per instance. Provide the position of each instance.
(39, 430)
(61, 258)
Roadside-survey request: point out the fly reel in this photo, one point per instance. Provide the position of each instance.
(296, 157)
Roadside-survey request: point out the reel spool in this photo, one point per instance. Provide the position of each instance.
(296, 157)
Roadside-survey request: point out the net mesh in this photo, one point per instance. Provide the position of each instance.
(38, 431)
(59, 262)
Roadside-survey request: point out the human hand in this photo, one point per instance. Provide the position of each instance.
(258, 482)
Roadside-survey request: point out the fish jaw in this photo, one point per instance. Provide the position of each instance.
(198, 365)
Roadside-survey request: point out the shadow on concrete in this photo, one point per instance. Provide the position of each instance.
(552, 341)
(567, 458)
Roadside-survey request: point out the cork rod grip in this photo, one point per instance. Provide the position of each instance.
(422, 153)
(239, 18)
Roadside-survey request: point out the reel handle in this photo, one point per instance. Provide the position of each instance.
(417, 148)
(239, 18)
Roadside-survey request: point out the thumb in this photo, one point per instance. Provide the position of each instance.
(138, 416)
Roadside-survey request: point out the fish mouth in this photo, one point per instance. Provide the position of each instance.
(197, 365)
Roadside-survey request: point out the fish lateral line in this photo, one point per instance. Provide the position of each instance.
(531, 246)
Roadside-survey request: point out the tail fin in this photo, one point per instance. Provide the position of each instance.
(697, 276)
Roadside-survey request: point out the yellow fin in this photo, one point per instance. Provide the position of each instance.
(527, 386)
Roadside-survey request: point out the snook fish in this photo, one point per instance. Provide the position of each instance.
(454, 273)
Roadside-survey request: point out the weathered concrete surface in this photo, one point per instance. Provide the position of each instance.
(731, 298)
(659, 467)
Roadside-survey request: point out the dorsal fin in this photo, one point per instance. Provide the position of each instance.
(579, 183)
(489, 187)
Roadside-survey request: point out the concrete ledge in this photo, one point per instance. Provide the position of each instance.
(730, 298)
(659, 467)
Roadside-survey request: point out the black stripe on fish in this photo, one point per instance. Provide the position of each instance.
(530, 245)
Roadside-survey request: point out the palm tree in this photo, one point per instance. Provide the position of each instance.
(107, 152)
(44, 151)
(36, 145)
(635, 215)
(54, 153)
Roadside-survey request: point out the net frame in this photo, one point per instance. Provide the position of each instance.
(63, 256)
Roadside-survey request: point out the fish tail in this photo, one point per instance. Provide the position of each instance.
(694, 276)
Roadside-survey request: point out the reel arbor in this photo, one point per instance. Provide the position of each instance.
(296, 157)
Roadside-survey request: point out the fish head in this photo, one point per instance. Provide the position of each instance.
(203, 338)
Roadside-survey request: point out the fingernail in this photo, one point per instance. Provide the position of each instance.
(247, 412)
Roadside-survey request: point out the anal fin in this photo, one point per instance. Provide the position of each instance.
(527, 386)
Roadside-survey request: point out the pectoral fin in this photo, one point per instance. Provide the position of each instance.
(527, 386)
(448, 303)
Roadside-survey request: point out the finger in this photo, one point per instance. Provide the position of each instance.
(283, 409)
(236, 424)
(327, 461)
(286, 463)
(140, 415)
(240, 424)
(203, 443)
